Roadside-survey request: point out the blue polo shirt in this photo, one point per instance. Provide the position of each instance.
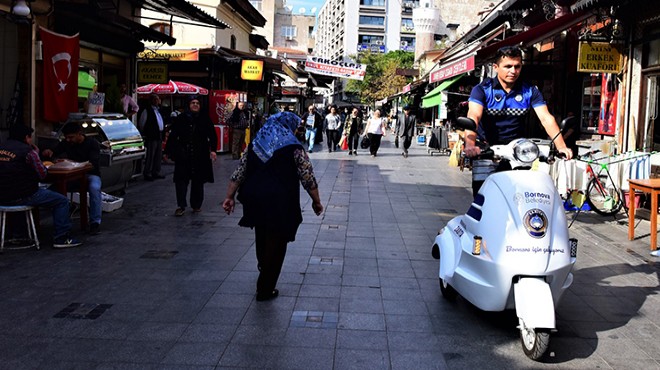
(504, 114)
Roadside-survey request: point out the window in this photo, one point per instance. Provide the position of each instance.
(408, 43)
(374, 21)
(370, 39)
(232, 42)
(310, 32)
(289, 31)
(162, 28)
(407, 25)
(373, 2)
(256, 4)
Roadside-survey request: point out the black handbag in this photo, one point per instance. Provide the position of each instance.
(365, 143)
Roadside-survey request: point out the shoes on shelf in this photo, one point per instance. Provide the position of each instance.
(267, 296)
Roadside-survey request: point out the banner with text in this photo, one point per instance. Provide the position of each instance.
(452, 69)
(334, 68)
(598, 57)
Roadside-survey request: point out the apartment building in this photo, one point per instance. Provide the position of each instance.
(286, 27)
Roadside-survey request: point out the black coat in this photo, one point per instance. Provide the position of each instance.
(189, 145)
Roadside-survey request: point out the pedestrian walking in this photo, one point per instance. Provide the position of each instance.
(239, 121)
(405, 128)
(353, 128)
(268, 181)
(151, 127)
(332, 123)
(128, 104)
(313, 123)
(375, 129)
(191, 145)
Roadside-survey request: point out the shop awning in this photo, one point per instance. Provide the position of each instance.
(536, 34)
(434, 98)
(582, 4)
(181, 9)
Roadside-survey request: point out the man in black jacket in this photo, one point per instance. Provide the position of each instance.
(151, 127)
(20, 173)
(406, 125)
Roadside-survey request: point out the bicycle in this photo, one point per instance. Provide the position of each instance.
(602, 194)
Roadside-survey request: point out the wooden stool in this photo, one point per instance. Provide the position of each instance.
(29, 219)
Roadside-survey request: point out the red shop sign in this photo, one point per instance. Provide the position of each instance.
(452, 69)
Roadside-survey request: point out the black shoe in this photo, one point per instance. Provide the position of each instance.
(66, 242)
(148, 178)
(159, 176)
(267, 296)
(94, 228)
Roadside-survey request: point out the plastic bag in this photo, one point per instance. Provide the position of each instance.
(365, 143)
(343, 143)
(455, 155)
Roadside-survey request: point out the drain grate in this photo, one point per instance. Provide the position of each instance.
(314, 319)
(329, 261)
(159, 254)
(89, 311)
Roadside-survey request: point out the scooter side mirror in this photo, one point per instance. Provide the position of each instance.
(465, 123)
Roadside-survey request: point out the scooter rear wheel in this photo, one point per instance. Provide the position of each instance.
(447, 291)
(534, 342)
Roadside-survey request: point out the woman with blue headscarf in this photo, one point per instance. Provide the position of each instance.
(268, 181)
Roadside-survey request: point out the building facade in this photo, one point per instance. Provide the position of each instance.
(287, 27)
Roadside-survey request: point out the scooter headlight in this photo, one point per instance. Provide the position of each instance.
(526, 151)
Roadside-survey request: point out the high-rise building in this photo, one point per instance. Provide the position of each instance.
(345, 28)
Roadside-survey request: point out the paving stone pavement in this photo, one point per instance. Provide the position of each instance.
(358, 290)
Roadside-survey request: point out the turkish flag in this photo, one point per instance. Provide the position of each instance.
(61, 54)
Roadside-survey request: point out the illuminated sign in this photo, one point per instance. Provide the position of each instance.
(171, 55)
(252, 70)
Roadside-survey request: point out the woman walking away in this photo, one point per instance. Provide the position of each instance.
(375, 131)
(268, 181)
(191, 145)
(332, 123)
(352, 130)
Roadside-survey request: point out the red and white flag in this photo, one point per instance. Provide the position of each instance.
(61, 54)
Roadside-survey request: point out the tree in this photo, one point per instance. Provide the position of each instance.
(381, 79)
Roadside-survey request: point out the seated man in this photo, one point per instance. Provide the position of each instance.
(80, 148)
(20, 172)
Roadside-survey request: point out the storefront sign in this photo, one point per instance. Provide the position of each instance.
(335, 68)
(452, 69)
(171, 55)
(252, 70)
(406, 88)
(598, 57)
(152, 73)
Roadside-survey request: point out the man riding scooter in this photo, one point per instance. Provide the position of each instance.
(499, 106)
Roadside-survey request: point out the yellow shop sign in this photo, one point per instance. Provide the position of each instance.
(152, 73)
(252, 70)
(599, 57)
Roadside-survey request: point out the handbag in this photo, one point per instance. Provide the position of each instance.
(365, 142)
(455, 155)
(343, 143)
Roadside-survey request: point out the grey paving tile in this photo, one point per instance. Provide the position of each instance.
(361, 359)
(362, 339)
(361, 321)
(194, 354)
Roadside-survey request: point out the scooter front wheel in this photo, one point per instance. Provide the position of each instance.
(534, 342)
(447, 291)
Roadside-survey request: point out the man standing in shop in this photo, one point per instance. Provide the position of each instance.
(405, 127)
(151, 127)
(499, 106)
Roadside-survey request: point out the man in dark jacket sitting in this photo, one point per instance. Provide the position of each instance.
(20, 173)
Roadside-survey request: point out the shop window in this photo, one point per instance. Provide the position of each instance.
(162, 28)
(599, 103)
(591, 87)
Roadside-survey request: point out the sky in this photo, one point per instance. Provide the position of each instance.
(307, 4)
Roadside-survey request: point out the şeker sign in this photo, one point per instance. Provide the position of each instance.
(452, 69)
(335, 68)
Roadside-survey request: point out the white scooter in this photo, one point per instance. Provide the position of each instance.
(511, 249)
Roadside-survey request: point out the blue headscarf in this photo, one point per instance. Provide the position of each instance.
(276, 133)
